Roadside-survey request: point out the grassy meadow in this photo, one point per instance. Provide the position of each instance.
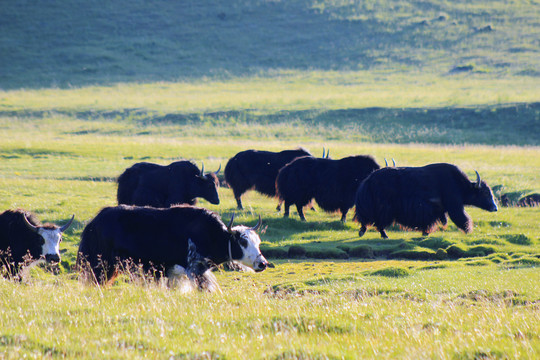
(88, 89)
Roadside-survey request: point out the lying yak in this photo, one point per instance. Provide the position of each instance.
(420, 197)
(180, 182)
(23, 236)
(332, 183)
(158, 240)
(256, 169)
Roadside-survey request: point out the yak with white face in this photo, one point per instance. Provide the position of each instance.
(158, 239)
(22, 234)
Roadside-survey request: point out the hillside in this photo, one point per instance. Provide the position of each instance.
(79, 43)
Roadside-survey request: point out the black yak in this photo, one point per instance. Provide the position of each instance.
(256, 169)
(181, 182)
(530, 200)
(22, 234)
(420, 197)
(158, 238)
(332, 183)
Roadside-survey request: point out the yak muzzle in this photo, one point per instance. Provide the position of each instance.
(52, 258)
(261, 266)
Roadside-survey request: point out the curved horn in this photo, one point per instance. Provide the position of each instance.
(385, 162)
(258, 225)
(66, 226)
(217, 172)
(229, 227)
(30, 226)
(477, 179)
(323, 151)
(394, 162)
(202, 169)
(327, 154)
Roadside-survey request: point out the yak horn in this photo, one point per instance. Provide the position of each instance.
(394, 162)
(385, 162)
(229, 227)
(323, 151)
(258, 225)
(202, 169)
(30, 226)
(327, 154)
(477, 179)
(218, 170)
(66, 226)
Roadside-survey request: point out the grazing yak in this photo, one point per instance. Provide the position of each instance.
(22, 234)
(531, 200)
(158, 239)
(181, 182)
(332, 183)
(256, 169)
(419, 197)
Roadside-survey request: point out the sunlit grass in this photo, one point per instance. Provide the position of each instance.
(434, 313)
(289, 91)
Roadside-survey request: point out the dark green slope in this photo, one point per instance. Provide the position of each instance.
(76, 43)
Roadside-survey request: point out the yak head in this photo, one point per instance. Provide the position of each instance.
(244, 246)
(206, 186)
(52, 236)
(481, 195)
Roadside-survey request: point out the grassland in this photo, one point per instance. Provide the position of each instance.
(89, 88)
(396, 300)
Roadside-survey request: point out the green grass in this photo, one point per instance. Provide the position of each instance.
(484, 303)
(332, 310)
(86, 91)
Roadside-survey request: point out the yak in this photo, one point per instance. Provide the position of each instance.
(332, 183)
(158, 239)
(181, 182)
(22, 236)
(420, 197)
(256, 169)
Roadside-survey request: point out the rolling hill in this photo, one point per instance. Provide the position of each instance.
(80, 43)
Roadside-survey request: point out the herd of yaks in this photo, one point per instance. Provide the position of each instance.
(157, 228)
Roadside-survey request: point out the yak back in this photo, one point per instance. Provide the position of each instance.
(333, 183)
(258, 169)
(157, 235)
(158, 185)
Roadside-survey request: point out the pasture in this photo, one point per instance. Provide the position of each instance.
(334, 296)
(419, 82)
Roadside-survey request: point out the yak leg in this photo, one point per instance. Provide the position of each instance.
(383, 233)
(278, 207)
(344, 215)
(362, 230)
(286, 209)
(300, 210)
(461, 219)
(239, 203)
(238, 198)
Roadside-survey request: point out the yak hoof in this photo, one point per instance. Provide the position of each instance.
(362, 231)
(383, 234)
